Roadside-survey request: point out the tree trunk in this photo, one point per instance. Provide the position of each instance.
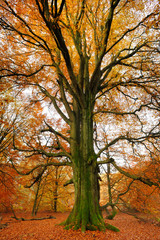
(55, 193)
(86, 212)
(36, 204)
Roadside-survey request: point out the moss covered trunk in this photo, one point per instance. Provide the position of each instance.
(86, 212)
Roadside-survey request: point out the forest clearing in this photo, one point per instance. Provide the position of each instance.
(131, 228)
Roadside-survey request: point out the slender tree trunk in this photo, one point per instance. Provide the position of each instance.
(35, 208)
(56, 190)
(111, 204)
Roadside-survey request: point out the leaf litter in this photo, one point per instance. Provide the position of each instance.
(130, 227)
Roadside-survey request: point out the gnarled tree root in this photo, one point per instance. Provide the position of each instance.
(90, 227)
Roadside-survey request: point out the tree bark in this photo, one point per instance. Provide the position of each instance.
(86, 212)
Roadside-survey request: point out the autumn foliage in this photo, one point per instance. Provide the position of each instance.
(79, 98)
(142, 197)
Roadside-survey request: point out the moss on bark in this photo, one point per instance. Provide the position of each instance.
(86, 213)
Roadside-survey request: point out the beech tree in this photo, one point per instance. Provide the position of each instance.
(8, 118)
(85, 60)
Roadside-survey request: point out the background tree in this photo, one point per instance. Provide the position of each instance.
(49, 190)
(56, 196)
(85, 60)
(140, 197)
(8, 119)
(124, 191)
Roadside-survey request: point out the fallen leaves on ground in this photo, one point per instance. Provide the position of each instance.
(130, 229)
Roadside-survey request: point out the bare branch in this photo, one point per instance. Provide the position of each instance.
(132, 176)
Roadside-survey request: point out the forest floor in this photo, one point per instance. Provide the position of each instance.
(131, 228)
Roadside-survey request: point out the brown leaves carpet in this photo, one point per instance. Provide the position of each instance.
(130, 229)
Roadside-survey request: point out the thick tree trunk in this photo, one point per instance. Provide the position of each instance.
(86, 212)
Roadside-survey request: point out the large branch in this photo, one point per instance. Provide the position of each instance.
(64, 99)
(118, 61)
(129, 139)
(40, 150)
(51, 154)
(132, 176)
(50, 129)
(94, 83)
(11, 73)
(37, 178)
(119, 195)
(127, 174)
(139, 82)
(110, 144)
(131, 30)
(64, 82)
(33, 36)
(55, 30)
(127, 112)
(133, 51)
(66, 163)
(47, 94)
(32, 219)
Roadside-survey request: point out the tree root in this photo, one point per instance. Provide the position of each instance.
(111, 227)
(90, 227)
(112, 215)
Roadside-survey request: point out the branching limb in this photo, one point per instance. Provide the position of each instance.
(114, 204)
(47, 94)
(129, 139)
(64, 99)
(131, 30)
(148, 105)
(34, 38)
(56, 32)
(11, 73)
(66, 163)
(94, 83)
(37, 178)
(41, 151)
(134, 177)
(110, 144)
(118, 60)
(50, 129)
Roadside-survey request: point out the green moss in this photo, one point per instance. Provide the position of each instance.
(91, 227)
(111, 227)
(86, 213)
(111, 216)
(76, 227)
(69, 226)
